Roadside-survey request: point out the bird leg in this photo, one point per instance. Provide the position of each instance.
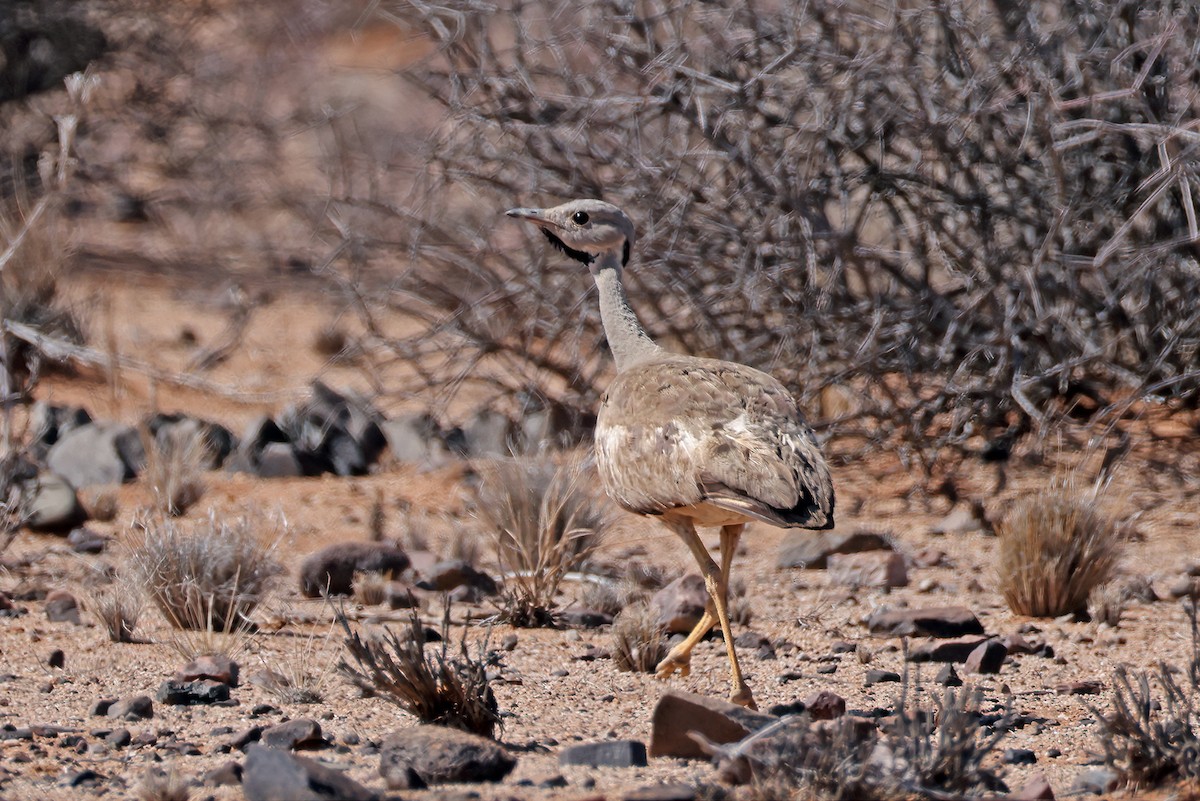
(680, 657)
(716, 581)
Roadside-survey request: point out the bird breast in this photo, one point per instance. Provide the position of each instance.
(669, 428)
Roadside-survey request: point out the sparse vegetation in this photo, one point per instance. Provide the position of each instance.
(934, 751)
(430, 683)
(208, 579)
(158, 784)
(1056, 547)
(175, 470)
(117, 606)
(1150, 737)
(639, 640)
(1107, 602)
(546, 522)
(301, 675)
(370, 588)
(610, 597)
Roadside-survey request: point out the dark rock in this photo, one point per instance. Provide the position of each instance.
(662, 792)
(118, 738)
(336, 433)
(84, 540)
(272, 775)
(100, 708)
(951, 650)
(97, 453)
(438, 755)
(811, 550)
(50, 504)
(1088, 687)
(1185, 587)
(680, 605)
(718, 721)
(585, 618)
(294, 734)
(331, 570)
(929, 557)
(868, 569)
(825, 705)
(61, 607)
(242, 739)
(399, 595)
(611, 753)
(176, 430)
(227, 774)
(1019, 756)
(84, 777)
(880, 677)
(49, 423)
(213, 667)
(57, 658)
(40, 45)
(938, 621)
(947, 677)
(192, 693)
(987, 658)
(138, 707)
(454, 573)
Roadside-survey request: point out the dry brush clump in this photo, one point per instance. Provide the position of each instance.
(117, 606)
(1151, 734)
(206, 579)
(546, 522)
(639, 639)
(1056, 548)
(977, 217)
(175, 465)
(430, 683)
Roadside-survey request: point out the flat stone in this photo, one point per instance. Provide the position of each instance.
(272, 775)
(718, 721)
(138, 707)
(192, 693)
(293, 734)
(224, 775)
(1036, 789)
(1018, 756)
(811, 550)
(212, 667)
(680, 605)
(987, 658)
(951, 650)
(84, 540)
(1096, 781)
(963, 519)
(440, 755)
(279, 460)
(97, 453)
(585, 618)
(662, 792)
(880, 677)
(933, 621)
(451, 574)
(868, 569)
(948, 677)
(51, 504)
(611, 753)
(1086, 687)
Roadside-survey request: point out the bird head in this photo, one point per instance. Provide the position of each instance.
(590, 231)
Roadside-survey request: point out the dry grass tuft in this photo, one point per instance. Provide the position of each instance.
(1055, 548)
(546, 523)
(639, 639)
(103, 504)
(370, 588)
(163, 785)
(207, 580)
(1152, 738)
(117, 607)
(431, 684)
(610, 597)
(1107, 602)
(301, 675)
(174, 471)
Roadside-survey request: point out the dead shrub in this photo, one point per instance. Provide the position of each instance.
(1106, 603)
(432, 684)
(1151, 735)
(639, 639)
(370, 588)
(1055, 548)
(103, 504)
(301, 675)
(546, 522)
(158, 784)
(175, 468)
(207, 579)
(610, 597)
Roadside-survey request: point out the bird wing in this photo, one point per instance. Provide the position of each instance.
(677, 432)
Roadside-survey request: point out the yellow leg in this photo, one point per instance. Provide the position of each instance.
(716, 580)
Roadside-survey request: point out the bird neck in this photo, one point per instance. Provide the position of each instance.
(627, 340)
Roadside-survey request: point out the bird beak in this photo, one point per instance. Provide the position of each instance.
(536, 216)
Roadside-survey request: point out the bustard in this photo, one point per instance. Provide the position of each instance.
(695, 442)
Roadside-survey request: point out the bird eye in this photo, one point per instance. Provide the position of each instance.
(579, 218)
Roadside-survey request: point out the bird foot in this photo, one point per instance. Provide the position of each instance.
(671, 664)
(743, 697)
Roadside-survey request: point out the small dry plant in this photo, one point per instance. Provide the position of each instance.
(370, 588)
(1055, 548)
(207, 580)
(174, 470)
(117, 607)
(432, 684)
(639, 639)
(611, 597)
(1107, 602)
(1149, 737)
(547, 522)
(163, 785)
(934, 750)
(302, 675)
